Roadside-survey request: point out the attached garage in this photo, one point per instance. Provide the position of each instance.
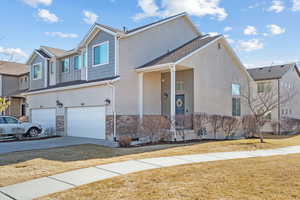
(86, 122)
(44, 117)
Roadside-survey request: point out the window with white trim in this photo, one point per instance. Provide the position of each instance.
(37, 71)
(236, 100)
(101, 54)
(77, 63)
(65, 65)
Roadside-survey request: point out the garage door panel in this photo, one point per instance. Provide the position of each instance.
(86, 122)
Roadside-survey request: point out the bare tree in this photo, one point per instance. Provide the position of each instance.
(261, 103)
(229, 125)
(248, 125)
(200, 123)
(215, 122)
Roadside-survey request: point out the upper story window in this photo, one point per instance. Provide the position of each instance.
(77, 63)
(236, 89)
(37, 71)
(65, 65)
(84, 58)
(179, 85)
(101, 54)
(264, 87)
(51, 67)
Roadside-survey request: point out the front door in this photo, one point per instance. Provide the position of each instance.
(180, 104)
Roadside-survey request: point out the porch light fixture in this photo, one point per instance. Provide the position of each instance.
(166, 95)
(107, 102)
(59, 104)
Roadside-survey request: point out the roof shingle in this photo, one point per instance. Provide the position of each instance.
(269, 72)
(13, 68)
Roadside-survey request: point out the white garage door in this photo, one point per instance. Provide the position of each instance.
(86, 122)
(44, 117)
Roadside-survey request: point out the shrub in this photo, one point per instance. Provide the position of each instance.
(124, 141)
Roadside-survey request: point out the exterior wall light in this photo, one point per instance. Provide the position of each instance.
(59, 104)
(107, 102)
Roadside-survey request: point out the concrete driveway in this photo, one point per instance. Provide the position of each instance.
(7, 147)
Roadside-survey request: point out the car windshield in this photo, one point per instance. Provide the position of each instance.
(2, 121)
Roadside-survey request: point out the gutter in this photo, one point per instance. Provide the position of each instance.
(110, 84)
(72, 87)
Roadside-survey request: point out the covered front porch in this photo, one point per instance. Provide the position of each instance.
(168, 91)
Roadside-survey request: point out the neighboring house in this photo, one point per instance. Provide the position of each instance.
(285, 80)
(113, 78)
(14, 80)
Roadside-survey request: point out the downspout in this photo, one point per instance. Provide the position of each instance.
(279, 108)
(114, 110)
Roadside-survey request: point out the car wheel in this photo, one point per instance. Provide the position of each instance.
(33, 132)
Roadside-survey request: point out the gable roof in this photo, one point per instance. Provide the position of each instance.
(270, 72)
(182, 51)
(13, 68)
(55, 51)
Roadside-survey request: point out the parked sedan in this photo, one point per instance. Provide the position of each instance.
(10, 126)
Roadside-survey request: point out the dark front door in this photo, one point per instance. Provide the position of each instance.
(180, 104)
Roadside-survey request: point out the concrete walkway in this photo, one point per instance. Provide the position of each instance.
(59, 182)
(7, 147)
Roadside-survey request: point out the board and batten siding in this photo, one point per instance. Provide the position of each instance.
(102, 71)
(72, 74)
(39, 83)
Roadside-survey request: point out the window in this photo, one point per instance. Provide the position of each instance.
(236, 107)
(84, 58)
(236, 89)
(263, 87)
(51, 67)
(37, 71)
(2, 121)
(11, 120)
(179, 85)
(100, 54)
(77, 62)
(65, 65)
(268, 116)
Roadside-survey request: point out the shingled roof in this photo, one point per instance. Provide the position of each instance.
(270, 72)
(182, 51)
(13, 68)
(55, 51)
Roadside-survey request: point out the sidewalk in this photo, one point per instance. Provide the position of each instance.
(59, 182)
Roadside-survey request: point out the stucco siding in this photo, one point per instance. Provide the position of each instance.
(215, 70)
(152, 93)
(103, 71)
(40, 83)
(290, 85)
(142, 48)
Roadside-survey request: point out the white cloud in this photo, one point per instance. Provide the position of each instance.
(231, 41)
(13, 53)
(47, 16)
(227, 29)
(213, 33)
(61, 35)
(250, 30)
(89, 17)
(275, 29)
(277, 6)
(296, 5)
(250, 45)
(197, 8)
(35, 3)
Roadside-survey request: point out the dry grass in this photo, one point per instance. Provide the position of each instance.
(268, 178)
(22, 166)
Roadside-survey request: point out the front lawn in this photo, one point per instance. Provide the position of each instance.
(264, 178)
(22, 166)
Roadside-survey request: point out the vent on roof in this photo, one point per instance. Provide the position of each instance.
(261, 68)
(282, 66)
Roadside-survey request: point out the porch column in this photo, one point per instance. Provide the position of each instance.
(141, 94)
(173, 99)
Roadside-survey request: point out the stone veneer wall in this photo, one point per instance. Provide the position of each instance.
(60, 125)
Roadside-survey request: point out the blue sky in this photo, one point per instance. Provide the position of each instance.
(261, 31)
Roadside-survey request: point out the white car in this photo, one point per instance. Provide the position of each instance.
(10, 126)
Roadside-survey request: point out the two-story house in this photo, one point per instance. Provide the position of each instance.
(14, 80)
(284, 81)
(114, 78)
